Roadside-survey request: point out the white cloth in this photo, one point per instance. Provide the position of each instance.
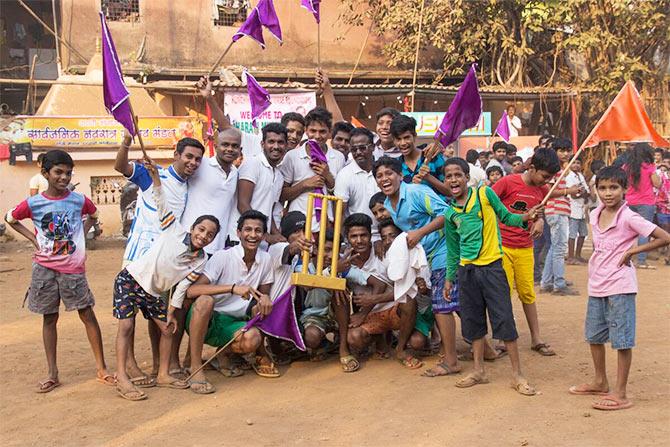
(251, 144)
(375, 267)
(295, 168)
(39, 183)
(514, 125)
(577, 206)
(477, 176)
(268, 183)
(212, 191)
(404, 266)
(170, 259)
(282, 272)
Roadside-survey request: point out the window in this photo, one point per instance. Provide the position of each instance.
(230, 12)
(121, 10)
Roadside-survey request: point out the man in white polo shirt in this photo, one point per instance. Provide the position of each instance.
(260, 181)
(301, 175)
(233, 286)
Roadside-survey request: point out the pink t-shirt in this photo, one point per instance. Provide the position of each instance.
(606, 278)
(644, 193)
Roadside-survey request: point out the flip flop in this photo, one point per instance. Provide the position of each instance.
(618, 404)
(524, 388)
(268, 371)
(133, 395)
(380, 355)
(143, 381)
(178, 373)
(575, 389)
(411, 362)
(543, 349)
(349, 360)
(47, 385)
(175, 384)
(442, 365)
(104, 379)
(471, 380)
(208, 388)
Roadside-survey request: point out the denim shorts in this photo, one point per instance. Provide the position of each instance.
(578, 228)
(663, 219)
(611, 318)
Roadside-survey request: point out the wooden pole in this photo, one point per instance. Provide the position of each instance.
(218, 351)
(59, 62)
(218, 61)
(360, 54)
(318, 44)
(416, 53)
(31, 86)
(137, 129)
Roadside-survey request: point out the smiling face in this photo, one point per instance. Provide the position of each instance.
(383, 129)
(295, 132)
(341, 142)
(388, 180)
(456, 180)
(388, 235)
(360, 240)
(380, 212)
(188, 161)
(361, 151)
(229, 147)
(405, 142)
(203, 233)
(318, 131)
(274, 147)
(610, 192)
(576, 166)
(251, 234)
(59, 176)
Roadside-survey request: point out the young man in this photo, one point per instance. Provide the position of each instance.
(577, 223)
(418, 210)
(477, 174)
(38, 184)
(483, 159)
(520, 193)
(177, 254)
(507, 162)
(513, 121)
(499, 155)
(223, 293)
(517, 165)
(58, 272)
(403, 130)
(301, 174)
(557, 217)
(474, 257)
(384, 145)
(610, 313)
(260, 182)
(341, 138)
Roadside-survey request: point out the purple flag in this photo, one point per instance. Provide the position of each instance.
(258, 96)
(115, 93)
(263, 15)
(503, 128)
(464, 111)
(312, 6)
(281, 322)
(318, 156)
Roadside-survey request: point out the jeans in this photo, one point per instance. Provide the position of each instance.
(646, 211)
(541, 247)
(553, 274)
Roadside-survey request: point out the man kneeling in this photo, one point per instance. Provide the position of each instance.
(233, 287)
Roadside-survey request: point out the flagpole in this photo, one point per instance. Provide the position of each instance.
(218, 61)
(318, 43)
(137, 129)
(416, 53)
(218, 351)
(360, 54)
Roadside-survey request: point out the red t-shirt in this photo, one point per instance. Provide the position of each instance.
(518, 198)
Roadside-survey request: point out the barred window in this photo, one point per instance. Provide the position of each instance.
(230, 12)
(121, 10)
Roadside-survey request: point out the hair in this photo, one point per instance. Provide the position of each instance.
(546, 160)
(515, 159)
(544, 138)
(387, 111)
(356, 131)
(657, 150)
(376, 198)
(561, 143)
(485, 153)
(387, 223)
(491, 169)
(56, 157)
(472, 156)
(511, 149)
(457, 161)
(510, 106)
(614, 174)
(357, 220)
(40, 157)
(319, 115)
(292, 116)
(209, 217)
(181, 145)
(402, 124)
(640, 153)
(277, 128)
(597, 165)
(666, 154)
(342, 126)
(253, 215)
(391, 163)
(499, 145)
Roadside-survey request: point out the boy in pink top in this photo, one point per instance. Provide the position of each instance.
(610, 312)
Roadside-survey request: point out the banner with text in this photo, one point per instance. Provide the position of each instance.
(427, 124)
(238, 108)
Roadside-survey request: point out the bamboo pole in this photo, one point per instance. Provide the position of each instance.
(218, 61)
(137, 129)
(360, 54)
(318, 44)
(416, 53)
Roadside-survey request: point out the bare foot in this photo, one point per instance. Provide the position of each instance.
(590, 389)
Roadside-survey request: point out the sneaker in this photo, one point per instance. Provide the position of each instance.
(547, 289)
(565, 291)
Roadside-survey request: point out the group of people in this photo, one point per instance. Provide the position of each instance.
(427, 239)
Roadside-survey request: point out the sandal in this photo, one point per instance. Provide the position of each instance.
(471, 380)
(47, 385)
(349, 363)
(176, 384)
(380, 355)
(179, 373)
(609, 403)
(105, 380)
(643, 266)
(268, 371)
(133, 395)
(524, 388)
(444, 370)
(143, 381)
(226, 371)
(543, 349)
(584, 390)
(411, 362)
(202, 387)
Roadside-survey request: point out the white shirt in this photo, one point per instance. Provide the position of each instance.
(295, 168)
(251, 144)
(211, 191)
(282, 272)
(379, 151)
(355, 186)
(577, 206)
(169, 260)
(477, 176)
(494, 162)
(228, 267)
(514, 125)
(39, 183)
(268, 183)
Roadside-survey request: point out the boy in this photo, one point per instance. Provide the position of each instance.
(474, 254)
(417, 210)
(577, 225)
(59, 260)
(377, 208)
(493, 174)
(519, 193)
(499, 155)
(517, 165)
(175, 255)
(385, 146)
(610, 313)
(341, 138)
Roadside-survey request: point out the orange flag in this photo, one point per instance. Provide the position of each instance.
(356, 123)
(625, 120)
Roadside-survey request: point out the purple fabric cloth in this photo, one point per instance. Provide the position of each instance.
(313, 6)
(318, 156)
(263, 15)
(464, 111)
(503, 128)
(281, 322)
(115, 93)
(258, 97)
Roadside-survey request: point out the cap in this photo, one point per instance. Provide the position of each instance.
(292, 222)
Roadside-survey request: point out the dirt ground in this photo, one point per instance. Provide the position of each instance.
(382, 404)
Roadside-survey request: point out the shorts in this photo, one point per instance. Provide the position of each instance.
(129, 296)
(519, 264)
(221, 329)
(325, 323)
(663, 219)
(381, 322)
(611, 318)
(49, 287)
(577, 228)
(440, 305)
(484, 288)
(425, 321)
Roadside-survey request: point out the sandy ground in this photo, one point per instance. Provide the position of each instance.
(383, 404)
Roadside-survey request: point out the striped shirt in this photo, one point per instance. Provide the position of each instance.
(559, 205)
